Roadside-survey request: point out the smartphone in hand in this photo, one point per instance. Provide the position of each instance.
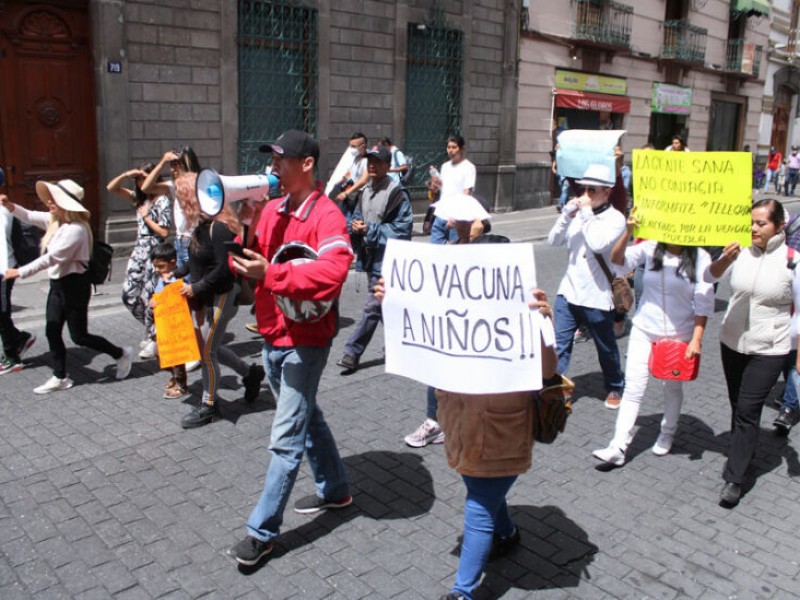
(235, 248)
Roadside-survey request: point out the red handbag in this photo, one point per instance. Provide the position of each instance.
(668, 361)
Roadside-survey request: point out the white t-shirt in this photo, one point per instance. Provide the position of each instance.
(398, 160)
(457, 178)
(682, 299)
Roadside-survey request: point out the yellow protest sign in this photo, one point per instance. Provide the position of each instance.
(693, 198)
(177, 342)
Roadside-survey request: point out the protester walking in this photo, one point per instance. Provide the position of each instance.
(676, 304)
(382, 213)
(792, 172)
(153, 223)
(489, 442)
(293, 309)
(15, 341)
(774, 161)
(754, 339)
(212, 293)
(590, 227)
(66, 250)
(457, 178)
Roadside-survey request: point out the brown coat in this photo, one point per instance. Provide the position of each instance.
(487, 435)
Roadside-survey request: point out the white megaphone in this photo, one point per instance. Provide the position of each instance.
(215, 190)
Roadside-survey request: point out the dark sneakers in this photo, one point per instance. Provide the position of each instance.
(730, 495)
(27, 340)
(348, 362)
(198, 416)
(504, 545)
(314, 504)
(786, 419)
(250, 551)
(252, 382)
(453, 596)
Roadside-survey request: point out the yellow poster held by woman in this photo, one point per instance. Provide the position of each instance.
(177, 342)
(693, 198)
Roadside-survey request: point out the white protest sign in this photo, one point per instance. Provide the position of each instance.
(579, 148)
(457, 317)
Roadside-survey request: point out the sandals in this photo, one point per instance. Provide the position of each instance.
(174, 390)
(177, 391)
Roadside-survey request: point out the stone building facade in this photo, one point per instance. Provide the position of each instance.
(653, 68)
(167, 74)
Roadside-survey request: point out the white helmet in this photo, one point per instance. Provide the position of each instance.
(301, 311)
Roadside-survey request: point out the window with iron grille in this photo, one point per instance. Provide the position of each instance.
(278, 56)
(433, 95)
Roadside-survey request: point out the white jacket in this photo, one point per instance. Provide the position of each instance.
(762, 291)
(584, 283)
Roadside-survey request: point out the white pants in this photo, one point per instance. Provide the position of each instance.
(636, 375)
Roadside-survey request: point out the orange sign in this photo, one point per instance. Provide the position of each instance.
(177, 342)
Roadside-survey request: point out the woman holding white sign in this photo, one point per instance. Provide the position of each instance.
(676, 303)
(489, 442)
(756, 331)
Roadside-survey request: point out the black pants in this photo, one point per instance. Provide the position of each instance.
(750, 378)
(10, 335)
(68, 302)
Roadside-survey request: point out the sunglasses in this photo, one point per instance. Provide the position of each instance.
(589, 190)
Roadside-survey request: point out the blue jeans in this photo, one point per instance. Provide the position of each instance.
(441, 233)
(433, 404)
(600, 323)
(485, 515)
(790, 401)
(791, 179)
(182, 249)
(365, 329)
(298, 426)
(772, 174)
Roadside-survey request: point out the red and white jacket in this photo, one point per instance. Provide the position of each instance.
(319, 223)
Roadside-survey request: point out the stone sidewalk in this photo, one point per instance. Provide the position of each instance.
(102, 495)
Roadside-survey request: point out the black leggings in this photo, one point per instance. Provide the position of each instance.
(68, 302)
(750, 378)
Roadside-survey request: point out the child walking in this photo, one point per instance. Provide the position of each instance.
(164, 259)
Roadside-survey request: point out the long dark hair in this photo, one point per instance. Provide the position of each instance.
(188, 160)
(139, 196)
(688, 261)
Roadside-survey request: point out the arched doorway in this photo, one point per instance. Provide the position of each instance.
(786, 83)
(47, 117)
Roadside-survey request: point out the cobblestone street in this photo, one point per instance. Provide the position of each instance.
(102, 494)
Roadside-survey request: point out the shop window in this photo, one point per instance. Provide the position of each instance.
(278, 58)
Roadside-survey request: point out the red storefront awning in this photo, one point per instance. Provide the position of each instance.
(591, 101)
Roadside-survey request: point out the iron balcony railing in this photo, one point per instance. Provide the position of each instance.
(743, 57)
(683, 41)
(793, 44)
(603, 22)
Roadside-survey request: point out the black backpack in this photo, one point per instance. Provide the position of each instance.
(99, 268)
(26, 240)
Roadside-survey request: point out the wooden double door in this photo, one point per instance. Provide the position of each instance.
(47, 113)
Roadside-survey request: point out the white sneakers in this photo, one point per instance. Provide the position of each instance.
(148, 350)
(663, 444)
(611, 455)
(54, 384)
(428, 433)
(124, 363)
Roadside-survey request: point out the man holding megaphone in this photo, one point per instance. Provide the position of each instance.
(293, 298)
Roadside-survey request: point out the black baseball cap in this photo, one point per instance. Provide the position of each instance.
(381, 153)
(293, 144)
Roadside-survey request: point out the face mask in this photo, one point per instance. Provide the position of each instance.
(353, 151)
